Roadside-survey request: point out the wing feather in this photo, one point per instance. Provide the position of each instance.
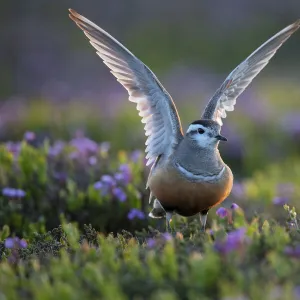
(154, 104)
(225, 97)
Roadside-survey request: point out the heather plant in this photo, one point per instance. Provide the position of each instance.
(79, 179)
(74, 225)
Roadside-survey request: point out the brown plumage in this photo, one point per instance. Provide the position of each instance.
(177, 193)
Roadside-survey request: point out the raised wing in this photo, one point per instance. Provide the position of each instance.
(155, 105)
(225, 97)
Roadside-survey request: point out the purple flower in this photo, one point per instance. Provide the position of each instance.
(29, 136)
(119, 177)
(108, 180)
(23, 244)
(234, 206)
(280, 200)
(293, 251)
(151, 243)
(11, 243)
(20, 193)
(136, 155)
(98, 185)
(9, 192)
(56, 149)
(167, 236)
(235, 237)
(13, 148)
(105, 185)
(93, 160)
(84, 145)
(135, 213)
(233, 241)
(222, 212)
(13, 193)
(119, 194)
(124, 176)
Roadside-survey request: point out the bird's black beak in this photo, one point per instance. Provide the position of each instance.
(221, 138)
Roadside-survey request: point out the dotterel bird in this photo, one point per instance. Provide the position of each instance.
(188, 175)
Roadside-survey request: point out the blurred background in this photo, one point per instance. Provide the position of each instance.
(55, 86)
(53, 82)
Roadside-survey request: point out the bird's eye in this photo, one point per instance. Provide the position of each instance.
(200, 130)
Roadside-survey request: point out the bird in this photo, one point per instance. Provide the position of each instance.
(188, 175)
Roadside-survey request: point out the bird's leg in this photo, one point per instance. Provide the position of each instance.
(168, 220)
(203, 218)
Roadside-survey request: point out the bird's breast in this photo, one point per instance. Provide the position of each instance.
(187, 197)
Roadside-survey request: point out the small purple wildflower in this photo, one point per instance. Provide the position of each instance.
(29, 136)
(98, 185)
(119, 177)
(56, 149)
(280, 200)
(9, 243)
(20, 193)
(105, 184)
(135, 213)
(13, 148)
(84, 145)
(222, 212)
(23, 244)
(124, 176)
(292, 251)
(13, 193)
(167, 236)
(234, 206)
(136, 155)
(119, 194)
(151, 243)
(108, 180)
(9, 192)
(234, 240)
(124, 168)
(93, 160)
(14, 243)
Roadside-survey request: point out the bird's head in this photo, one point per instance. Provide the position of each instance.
(205, 133)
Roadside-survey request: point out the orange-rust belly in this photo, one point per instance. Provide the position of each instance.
(188, 198)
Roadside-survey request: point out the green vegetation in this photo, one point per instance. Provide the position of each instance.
(73, 213)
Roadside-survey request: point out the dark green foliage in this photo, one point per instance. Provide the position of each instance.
(151, 265)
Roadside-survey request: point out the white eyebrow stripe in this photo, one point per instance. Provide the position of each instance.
(197, 177)
(194, 127)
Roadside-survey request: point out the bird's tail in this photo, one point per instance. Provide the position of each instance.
(158, 211)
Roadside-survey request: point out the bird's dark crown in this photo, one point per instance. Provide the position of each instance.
(206, 123)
